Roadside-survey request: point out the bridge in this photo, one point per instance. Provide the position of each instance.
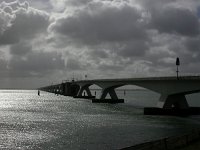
(172, 91)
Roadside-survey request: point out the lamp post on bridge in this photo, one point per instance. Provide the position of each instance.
(177, 64)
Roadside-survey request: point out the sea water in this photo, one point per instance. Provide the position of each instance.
(48, 121)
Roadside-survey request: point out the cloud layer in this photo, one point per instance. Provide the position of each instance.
(51, 40)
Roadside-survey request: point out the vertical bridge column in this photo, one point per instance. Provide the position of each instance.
(174, 104)
(177, 101)
(111, 92)
(83, 89)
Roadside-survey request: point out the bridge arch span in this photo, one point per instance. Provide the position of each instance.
(172, 91)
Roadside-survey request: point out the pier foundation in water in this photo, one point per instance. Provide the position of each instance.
(112, 101)
(172, 111)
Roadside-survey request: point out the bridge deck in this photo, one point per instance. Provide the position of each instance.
(145, 79)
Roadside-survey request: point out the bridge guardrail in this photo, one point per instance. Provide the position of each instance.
(168, 143)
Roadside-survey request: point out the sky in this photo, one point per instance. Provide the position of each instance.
(44, 42)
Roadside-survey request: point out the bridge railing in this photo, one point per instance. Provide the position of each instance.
(168, 143)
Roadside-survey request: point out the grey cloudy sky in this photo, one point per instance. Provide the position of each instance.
(47, 41)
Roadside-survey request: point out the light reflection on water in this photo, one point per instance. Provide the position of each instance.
(28, 121)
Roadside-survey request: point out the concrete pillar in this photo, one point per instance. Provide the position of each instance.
(173, 101)
(84, 88)
(63, 89)
(110, 91)
(67, 89)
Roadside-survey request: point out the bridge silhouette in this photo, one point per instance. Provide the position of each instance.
(172, 91)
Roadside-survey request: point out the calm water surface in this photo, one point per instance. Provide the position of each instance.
(28, 121)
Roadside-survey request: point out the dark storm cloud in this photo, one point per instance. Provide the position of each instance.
(20, 49)
(176, 20)
(3, 65)
(175, 31)
(134, 48)
(73, 64)
(116, 27)
(110, 67)
(99, 54)
(193, 44)
(31, 64)
(77, 2)
(102, 37)
(122, 29)
(25, 23)
(37, 63)
(104, 24)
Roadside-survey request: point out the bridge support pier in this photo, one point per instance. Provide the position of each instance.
(82, 90)
(177, 101)
(175, 104)
(113, 96)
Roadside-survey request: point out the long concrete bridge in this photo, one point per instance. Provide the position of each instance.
(172, 90)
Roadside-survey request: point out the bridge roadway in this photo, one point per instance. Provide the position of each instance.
(172, 90)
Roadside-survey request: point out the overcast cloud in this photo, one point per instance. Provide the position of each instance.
(45, 41)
